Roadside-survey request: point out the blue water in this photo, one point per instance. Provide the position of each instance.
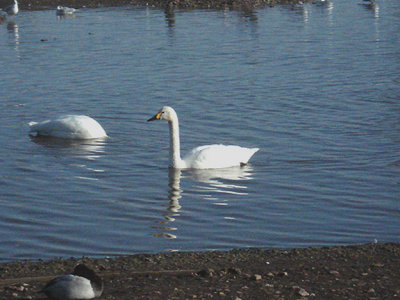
(316, 87)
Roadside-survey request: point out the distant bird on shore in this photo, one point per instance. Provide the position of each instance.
(12, 9)
(63, 10)
(82, 283)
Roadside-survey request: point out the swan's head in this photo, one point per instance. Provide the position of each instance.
(166, 113)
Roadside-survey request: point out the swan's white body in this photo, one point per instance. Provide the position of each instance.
(83, 283)
(68, 127)
(63, 10)
(12, 9)
(203, 157)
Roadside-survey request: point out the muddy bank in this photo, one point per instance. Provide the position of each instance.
(353, 272)
(181, 4)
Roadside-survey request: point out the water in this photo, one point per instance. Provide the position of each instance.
(315, 87)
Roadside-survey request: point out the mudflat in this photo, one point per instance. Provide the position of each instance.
(370, 271)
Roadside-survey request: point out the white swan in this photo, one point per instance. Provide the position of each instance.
(12, 9)
(68, 127)
(82, 283)
(63, 10)
(203, 157)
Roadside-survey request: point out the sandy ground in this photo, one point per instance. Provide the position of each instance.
(369, 271)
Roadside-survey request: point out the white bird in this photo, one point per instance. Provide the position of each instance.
(82, 283)
(203, 157)
(12, 9)
(63, 10)
(68, 127)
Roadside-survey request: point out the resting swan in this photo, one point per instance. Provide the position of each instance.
(203, 157)
(12, 9)
(68, 127)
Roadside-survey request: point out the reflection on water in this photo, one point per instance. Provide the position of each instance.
(215, 181)
(172, 211)
(169, 17)
(325, 6)
(88, 149)
(373, 7)
(228, 181)
(12, 28)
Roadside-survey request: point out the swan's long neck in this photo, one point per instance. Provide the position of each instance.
(175, 160)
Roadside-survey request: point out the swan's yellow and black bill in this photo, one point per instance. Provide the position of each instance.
(156, 117)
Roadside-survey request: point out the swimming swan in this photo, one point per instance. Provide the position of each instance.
(203, 157)
(82, 283)
(68, 127)
(63, 10)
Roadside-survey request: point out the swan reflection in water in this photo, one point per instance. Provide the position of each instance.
(90, 149)
(225, 181)
(174, 194)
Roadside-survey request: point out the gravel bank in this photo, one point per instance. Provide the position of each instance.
(345, 272)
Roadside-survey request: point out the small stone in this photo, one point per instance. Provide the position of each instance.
(270, 274)
(303, 293)
(371, 291)
(333, 272)
(256, 277)
(283, 274)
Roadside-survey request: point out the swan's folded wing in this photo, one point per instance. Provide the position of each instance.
(218, 156)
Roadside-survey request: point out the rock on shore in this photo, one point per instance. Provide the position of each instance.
(345, 272)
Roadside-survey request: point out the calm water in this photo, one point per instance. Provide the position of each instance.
(316, 87)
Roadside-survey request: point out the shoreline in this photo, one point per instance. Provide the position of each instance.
(369, 271)
(163, 4)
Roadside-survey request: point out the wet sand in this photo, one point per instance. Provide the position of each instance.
(181, 4)
(370, 271)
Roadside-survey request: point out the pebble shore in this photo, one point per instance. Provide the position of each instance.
(368, 271)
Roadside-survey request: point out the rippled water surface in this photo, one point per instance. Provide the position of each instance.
(315, 87)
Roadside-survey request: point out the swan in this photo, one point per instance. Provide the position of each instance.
(12, 9)
(68, 127)
(203, 157)
(82, 283)
(63, 10)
